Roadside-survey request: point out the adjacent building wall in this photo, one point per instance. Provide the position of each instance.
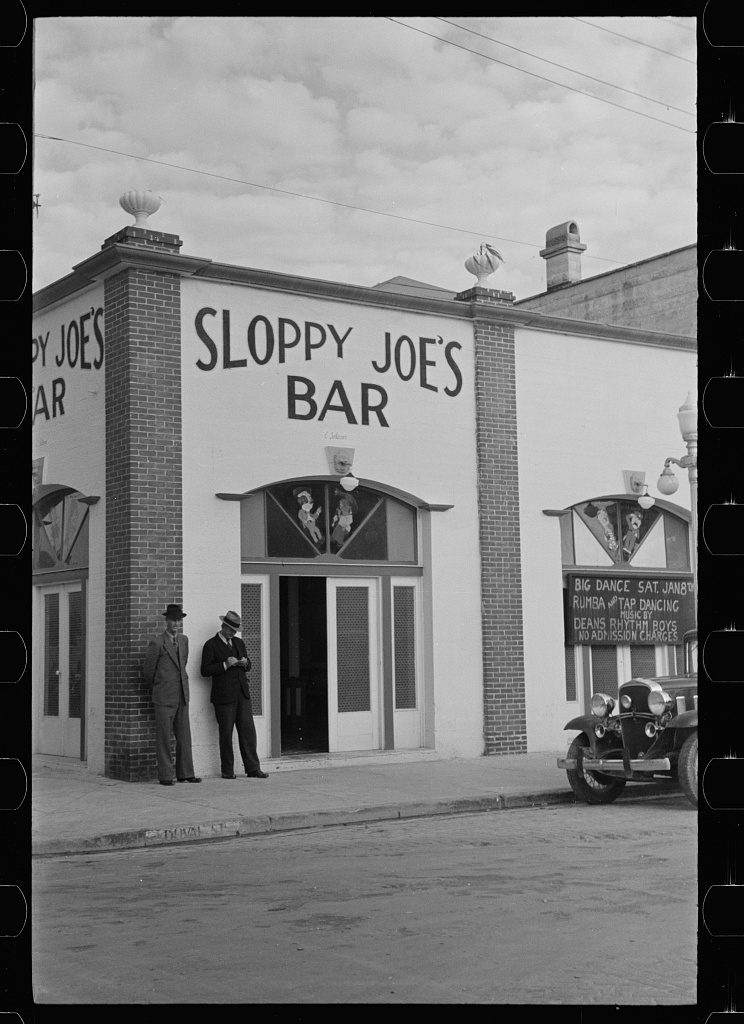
(659, 294)
(69, 434)
(587, 408)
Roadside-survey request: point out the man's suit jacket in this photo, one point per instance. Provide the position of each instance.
(226, 685)
(162, 671)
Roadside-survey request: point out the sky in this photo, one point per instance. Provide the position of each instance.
(368, 113)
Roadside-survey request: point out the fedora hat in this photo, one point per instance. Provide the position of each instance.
(174, 611)
(231, 619)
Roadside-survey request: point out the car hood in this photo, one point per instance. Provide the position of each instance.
(675, 686)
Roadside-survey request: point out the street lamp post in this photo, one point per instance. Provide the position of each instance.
(668, 483)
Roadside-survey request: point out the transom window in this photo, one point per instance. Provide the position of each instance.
(617, 531)
(60, 532)
(318, 519)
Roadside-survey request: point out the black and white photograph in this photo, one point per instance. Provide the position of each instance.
(364, 655)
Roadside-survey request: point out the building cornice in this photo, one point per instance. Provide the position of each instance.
(118, 257)
(113, 260)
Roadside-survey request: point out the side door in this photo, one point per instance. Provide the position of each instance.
(603, 668)
(60, 669)
(353, 664)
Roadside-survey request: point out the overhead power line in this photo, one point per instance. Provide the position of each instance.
(671, 21)
(495, 60)
(639, 42)
(573, 71)
(301, 195)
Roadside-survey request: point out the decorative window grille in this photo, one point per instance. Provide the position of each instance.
(251, 633)
(604, 670)
(404, 647)
(51, 655)
(568, 651)
(352, 648)
(76, 653)
(643, 660)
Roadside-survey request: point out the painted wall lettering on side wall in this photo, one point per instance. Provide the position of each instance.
(79, 346)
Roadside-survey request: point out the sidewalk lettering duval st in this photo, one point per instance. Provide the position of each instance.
(629, 609)
(429, 362)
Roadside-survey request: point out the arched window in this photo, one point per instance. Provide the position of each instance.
(616, 531)
(611, 546)
(60, 530)
(319, 520)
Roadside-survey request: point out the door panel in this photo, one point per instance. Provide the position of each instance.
(603, 668)
(61, 670)
(254, 610)
(407, 702)
(353, 664)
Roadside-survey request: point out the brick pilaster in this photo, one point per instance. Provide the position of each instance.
(144, 522)
(504, 718)
(144, 238)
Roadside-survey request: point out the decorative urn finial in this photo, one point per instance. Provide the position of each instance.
(140, 203)
(483, 263)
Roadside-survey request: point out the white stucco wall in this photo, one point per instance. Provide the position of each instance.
(587, 409)
(71, 440)
(237, 435)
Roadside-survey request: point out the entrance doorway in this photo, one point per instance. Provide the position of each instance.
(304, 664)
(60, 669)
(329, 664)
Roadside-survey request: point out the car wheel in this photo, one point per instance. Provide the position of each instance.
(591, 787)
(687, 768)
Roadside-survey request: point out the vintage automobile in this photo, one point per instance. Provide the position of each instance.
(648, 734)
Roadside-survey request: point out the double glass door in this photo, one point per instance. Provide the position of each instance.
(60, 669)
(353, 664)
(320, 653)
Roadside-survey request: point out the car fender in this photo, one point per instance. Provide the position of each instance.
(585, 723)
(687, 720)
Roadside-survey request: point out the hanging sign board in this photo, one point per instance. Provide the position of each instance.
(629, 609)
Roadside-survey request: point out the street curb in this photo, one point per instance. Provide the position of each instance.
(291, 821)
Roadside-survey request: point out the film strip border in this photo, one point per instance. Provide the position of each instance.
(15, 505)
(721, 504)
(721, 512)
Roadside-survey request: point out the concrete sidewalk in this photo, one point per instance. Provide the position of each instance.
(74, 811)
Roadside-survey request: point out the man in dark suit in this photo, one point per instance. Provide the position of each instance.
(226, 661)
(164, 669)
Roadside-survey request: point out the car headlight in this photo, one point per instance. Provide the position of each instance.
(602, 705)
(659, 702)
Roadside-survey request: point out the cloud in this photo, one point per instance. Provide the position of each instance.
(366, 113)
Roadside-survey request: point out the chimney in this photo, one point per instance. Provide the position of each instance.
(562, 255)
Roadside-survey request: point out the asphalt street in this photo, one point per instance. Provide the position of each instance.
(549, 905)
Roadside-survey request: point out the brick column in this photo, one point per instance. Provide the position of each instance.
(504, 717)
(144, 529)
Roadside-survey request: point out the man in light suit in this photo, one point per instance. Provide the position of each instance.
(164, 670)
(225, 660)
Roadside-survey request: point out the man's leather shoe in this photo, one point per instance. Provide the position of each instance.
(192, 779)
(257, 775)
(228, 776)
(167, 782)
